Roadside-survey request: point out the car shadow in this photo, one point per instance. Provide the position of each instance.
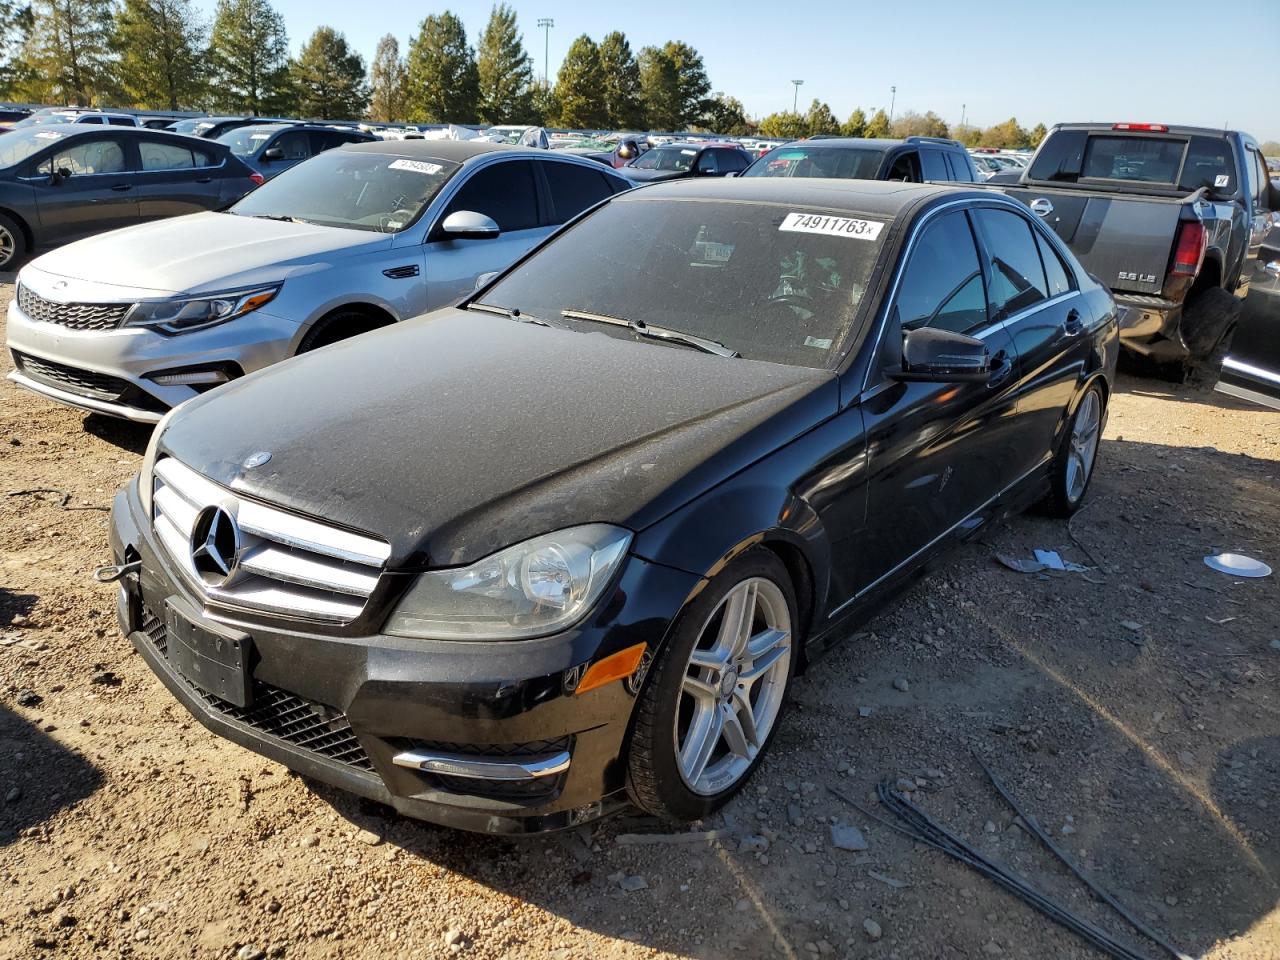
(40, 776)
(13, 605)
(124, 434)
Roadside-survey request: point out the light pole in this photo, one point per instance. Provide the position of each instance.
(962, 116)
(893, 99)
(795, 99)
(545, 24)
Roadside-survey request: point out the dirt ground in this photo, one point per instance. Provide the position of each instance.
(1133, 709)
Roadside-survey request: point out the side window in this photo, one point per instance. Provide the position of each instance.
(906, 168)
(961, 166)
(732, 161)
(322, 140)
(121, 122)
(573, 189)
(87, 157)
(942, 284)
(295, 144)
(1260, 173)
(709, 162)
(167, 156)
(89, 120)
(503, 191)
(1209, 163)
(1017, 275)
(933, 165)
(1061, 157)
(1056, 272)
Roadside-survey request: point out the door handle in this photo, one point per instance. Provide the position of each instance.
(122, 187)
(205, 180)
(1073, 324)
(1001, 367)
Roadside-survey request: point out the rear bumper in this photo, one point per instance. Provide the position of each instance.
(1151, 326)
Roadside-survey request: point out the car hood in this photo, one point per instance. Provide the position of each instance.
(645, 175)
(459, 433)
(204, 251)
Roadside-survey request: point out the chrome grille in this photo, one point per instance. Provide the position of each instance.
(288, 564)
(77, 316)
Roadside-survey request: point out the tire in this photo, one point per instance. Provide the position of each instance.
(1209, 316)
(1078, 451)
(684, 696)
(339, 325)
(13, 243)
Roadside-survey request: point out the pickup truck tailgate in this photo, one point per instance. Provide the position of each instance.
(1123, 241)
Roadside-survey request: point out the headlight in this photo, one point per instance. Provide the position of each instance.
(146, 473)
(192, 313)
(538, 587)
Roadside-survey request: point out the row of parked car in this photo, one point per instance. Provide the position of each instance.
(568, 478)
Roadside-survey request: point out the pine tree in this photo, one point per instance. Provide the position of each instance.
(621, 83)
(726, 115)
(443, 82)
(68, 52)
(878, 126)
(1038, 133)
(387, 76)
(820, 120)
(783, 126)
(15, 27)
(329, 78)
(249, 54)
(674, 85)
(578, 86)
(856, 125)
(504, 69)
(161, 44)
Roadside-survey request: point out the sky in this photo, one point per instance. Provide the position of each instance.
(980, 60)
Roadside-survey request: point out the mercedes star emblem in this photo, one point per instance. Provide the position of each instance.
(256, 459)
(215, 546)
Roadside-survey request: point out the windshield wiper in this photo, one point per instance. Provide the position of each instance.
(642, 329)
(284, 218)
(511, 314)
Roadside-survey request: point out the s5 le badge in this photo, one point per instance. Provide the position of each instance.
(1137, 277)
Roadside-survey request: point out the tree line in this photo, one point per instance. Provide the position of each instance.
(164, 55)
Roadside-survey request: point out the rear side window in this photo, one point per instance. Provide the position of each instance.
(505, 192)
(933, 165)
(1209, 163)
(122, 122)
(732, 161)
(169, 156)
(1056, 272)
(1060, 156)
(573, 189)
(942, 285)
(1017, 275)
(961, 167)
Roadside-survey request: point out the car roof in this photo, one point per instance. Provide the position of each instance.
(1174, 129)
(459, 151)
(884, 198)
(837, 143)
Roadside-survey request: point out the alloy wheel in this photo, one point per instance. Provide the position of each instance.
(8, 245)
(733, 686)
(1083, 450)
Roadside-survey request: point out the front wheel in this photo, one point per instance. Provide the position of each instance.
(1077, 456)
(717, 691)
(13, 243)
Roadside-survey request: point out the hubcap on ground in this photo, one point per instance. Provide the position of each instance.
(733, 686)
(1084, 445)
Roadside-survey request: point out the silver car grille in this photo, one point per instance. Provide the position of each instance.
(287, 564)
(77, 316)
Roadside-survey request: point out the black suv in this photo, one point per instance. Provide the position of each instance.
(672, 161)
(915, 160)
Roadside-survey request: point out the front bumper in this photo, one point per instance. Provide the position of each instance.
(106, 371)
(347, 709)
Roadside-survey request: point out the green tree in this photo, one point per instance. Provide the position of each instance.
(878, 127)
(15, 28)
(1038, 133)
(161, 47)
(674, 85)
(726, 115)
(544, 106)
(856, 125)
(443, 82)
(1006, 135)
(784, 126)
(68, 54)
(621, 84)
(329, 78)
(969, 135)
(504, 69)
(578, 86)
(387, 80)
(249, 57)
(913, 124)
(820, 120)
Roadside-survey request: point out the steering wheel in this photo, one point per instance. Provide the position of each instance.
(402, 215)
(802, 300)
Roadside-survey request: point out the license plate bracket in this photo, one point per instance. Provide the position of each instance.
(214, 658)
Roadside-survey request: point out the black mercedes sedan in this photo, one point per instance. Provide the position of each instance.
(62, 182)
(562, 548)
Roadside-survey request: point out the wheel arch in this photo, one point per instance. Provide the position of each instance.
(377, 316)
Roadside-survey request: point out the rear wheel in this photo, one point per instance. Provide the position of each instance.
(1208, 317)
(13, 243)
(1077, 456)
(718, 689)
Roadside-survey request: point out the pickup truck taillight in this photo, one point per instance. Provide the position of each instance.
(1189, 252)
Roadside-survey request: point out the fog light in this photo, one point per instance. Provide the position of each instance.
(191, 378)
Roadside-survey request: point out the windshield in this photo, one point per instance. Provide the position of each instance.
(769, 281)
(854, 163)
(40, 119)
(246, 141)
(667, 158)
(196, 125)
(17, 145)
(345, 188)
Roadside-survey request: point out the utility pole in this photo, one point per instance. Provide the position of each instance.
(795, 99)
(545, 24)
(893, 99)
(962, 116)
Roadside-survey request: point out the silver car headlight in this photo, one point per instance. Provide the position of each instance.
(535, 588)
(146, 473)
(194, 313)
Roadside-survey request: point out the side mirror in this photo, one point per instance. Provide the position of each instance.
(273, 153)
(468, 225)
(483, 279)
(940, 356)
(626, 152)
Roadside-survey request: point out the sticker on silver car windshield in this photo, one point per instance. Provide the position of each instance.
(832, 226)
(417, 166)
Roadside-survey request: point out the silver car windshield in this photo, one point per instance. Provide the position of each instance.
(767, 281)
(345, 188)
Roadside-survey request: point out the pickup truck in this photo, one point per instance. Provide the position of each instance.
(1171, 218)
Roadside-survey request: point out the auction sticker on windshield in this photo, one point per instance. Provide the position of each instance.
(417, 166)
(832, 226)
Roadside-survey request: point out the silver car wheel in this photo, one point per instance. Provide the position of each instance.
(1083, 449)
(8, 246)
(733, 686)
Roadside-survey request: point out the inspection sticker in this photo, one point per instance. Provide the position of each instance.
(1221, 180)
(259, 136)
(832, 226)
(417, 166)
(689, 153)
